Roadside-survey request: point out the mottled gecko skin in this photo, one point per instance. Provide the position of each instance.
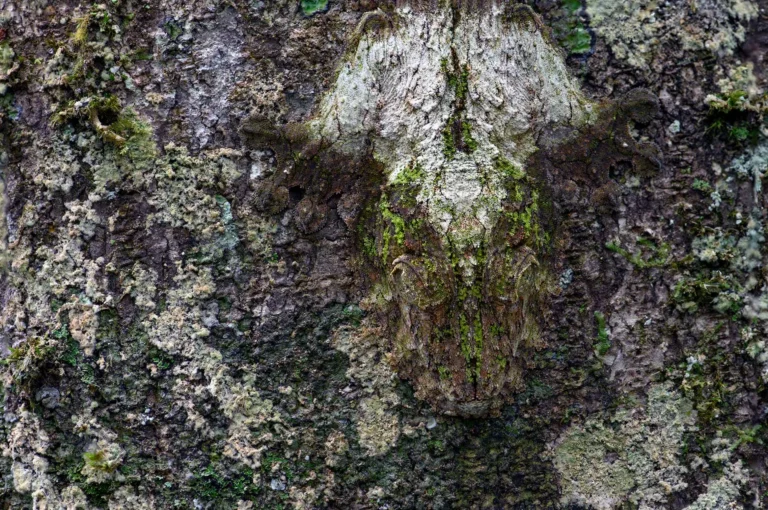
(453, 107)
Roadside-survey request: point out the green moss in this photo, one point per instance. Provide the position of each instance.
(466, 133)
(743, 132)
(396, 223)
(310, 7)
(509, 169)
(466, 346)
(458, 77)
(213, 484)
(173, 29)
(702, 186)
(352, 315)
(369, 247)
(731, 101)
(737, 114)
(572, 6)
(457, 133)
(99, 461)
(478, 337)
(141, 54)
(579, 40)
(461, 82)
(708, 288)
(524, 220)
(162, 360)
(24, 362)
(410, 175)
(209, 483)
(99, 493)
(536, 391)
(136, 133)
(603, 343)
(131, 135)
(449, 145)
(652, 256)
(80, 35)
(569, 29)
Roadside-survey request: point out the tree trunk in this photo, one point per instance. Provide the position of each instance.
(370, 254)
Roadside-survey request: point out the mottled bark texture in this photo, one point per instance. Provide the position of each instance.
(369, 254)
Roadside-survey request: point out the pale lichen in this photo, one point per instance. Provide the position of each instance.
(377, 422)
(8, 65)
(181, 330)
(723, 491)
(635, 29)
(633, 456)
(82, 327)
(183, 198)
(752, 165)
(28, 447)
(126, 498)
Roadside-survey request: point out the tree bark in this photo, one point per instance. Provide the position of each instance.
(383, 254)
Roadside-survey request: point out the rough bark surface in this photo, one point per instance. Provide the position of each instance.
(370, 254)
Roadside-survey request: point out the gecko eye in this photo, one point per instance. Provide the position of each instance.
(296, 193)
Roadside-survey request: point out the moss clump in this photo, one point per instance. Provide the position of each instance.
(508, 169)
(136, 133)
(310, 7)
(466, 136)
(569, 29)
(524, 214)
(24, 362)
(579, 40)
(700, 185)
(458, 77)
(739, 109)
(457, 133)
(212, 483)
(394, 229)
(80, 35)
(409, 175)
(603, 343)
(99, 461)
(173, 29)
(708, 288)
(120, 127)
(449, 145)
(735, 101)
(476, 345)
(649, 254)
(88, 45)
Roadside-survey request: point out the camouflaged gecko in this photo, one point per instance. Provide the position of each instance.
(454, 107)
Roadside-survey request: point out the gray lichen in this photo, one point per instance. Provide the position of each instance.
(636, 29)
(633, 456)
